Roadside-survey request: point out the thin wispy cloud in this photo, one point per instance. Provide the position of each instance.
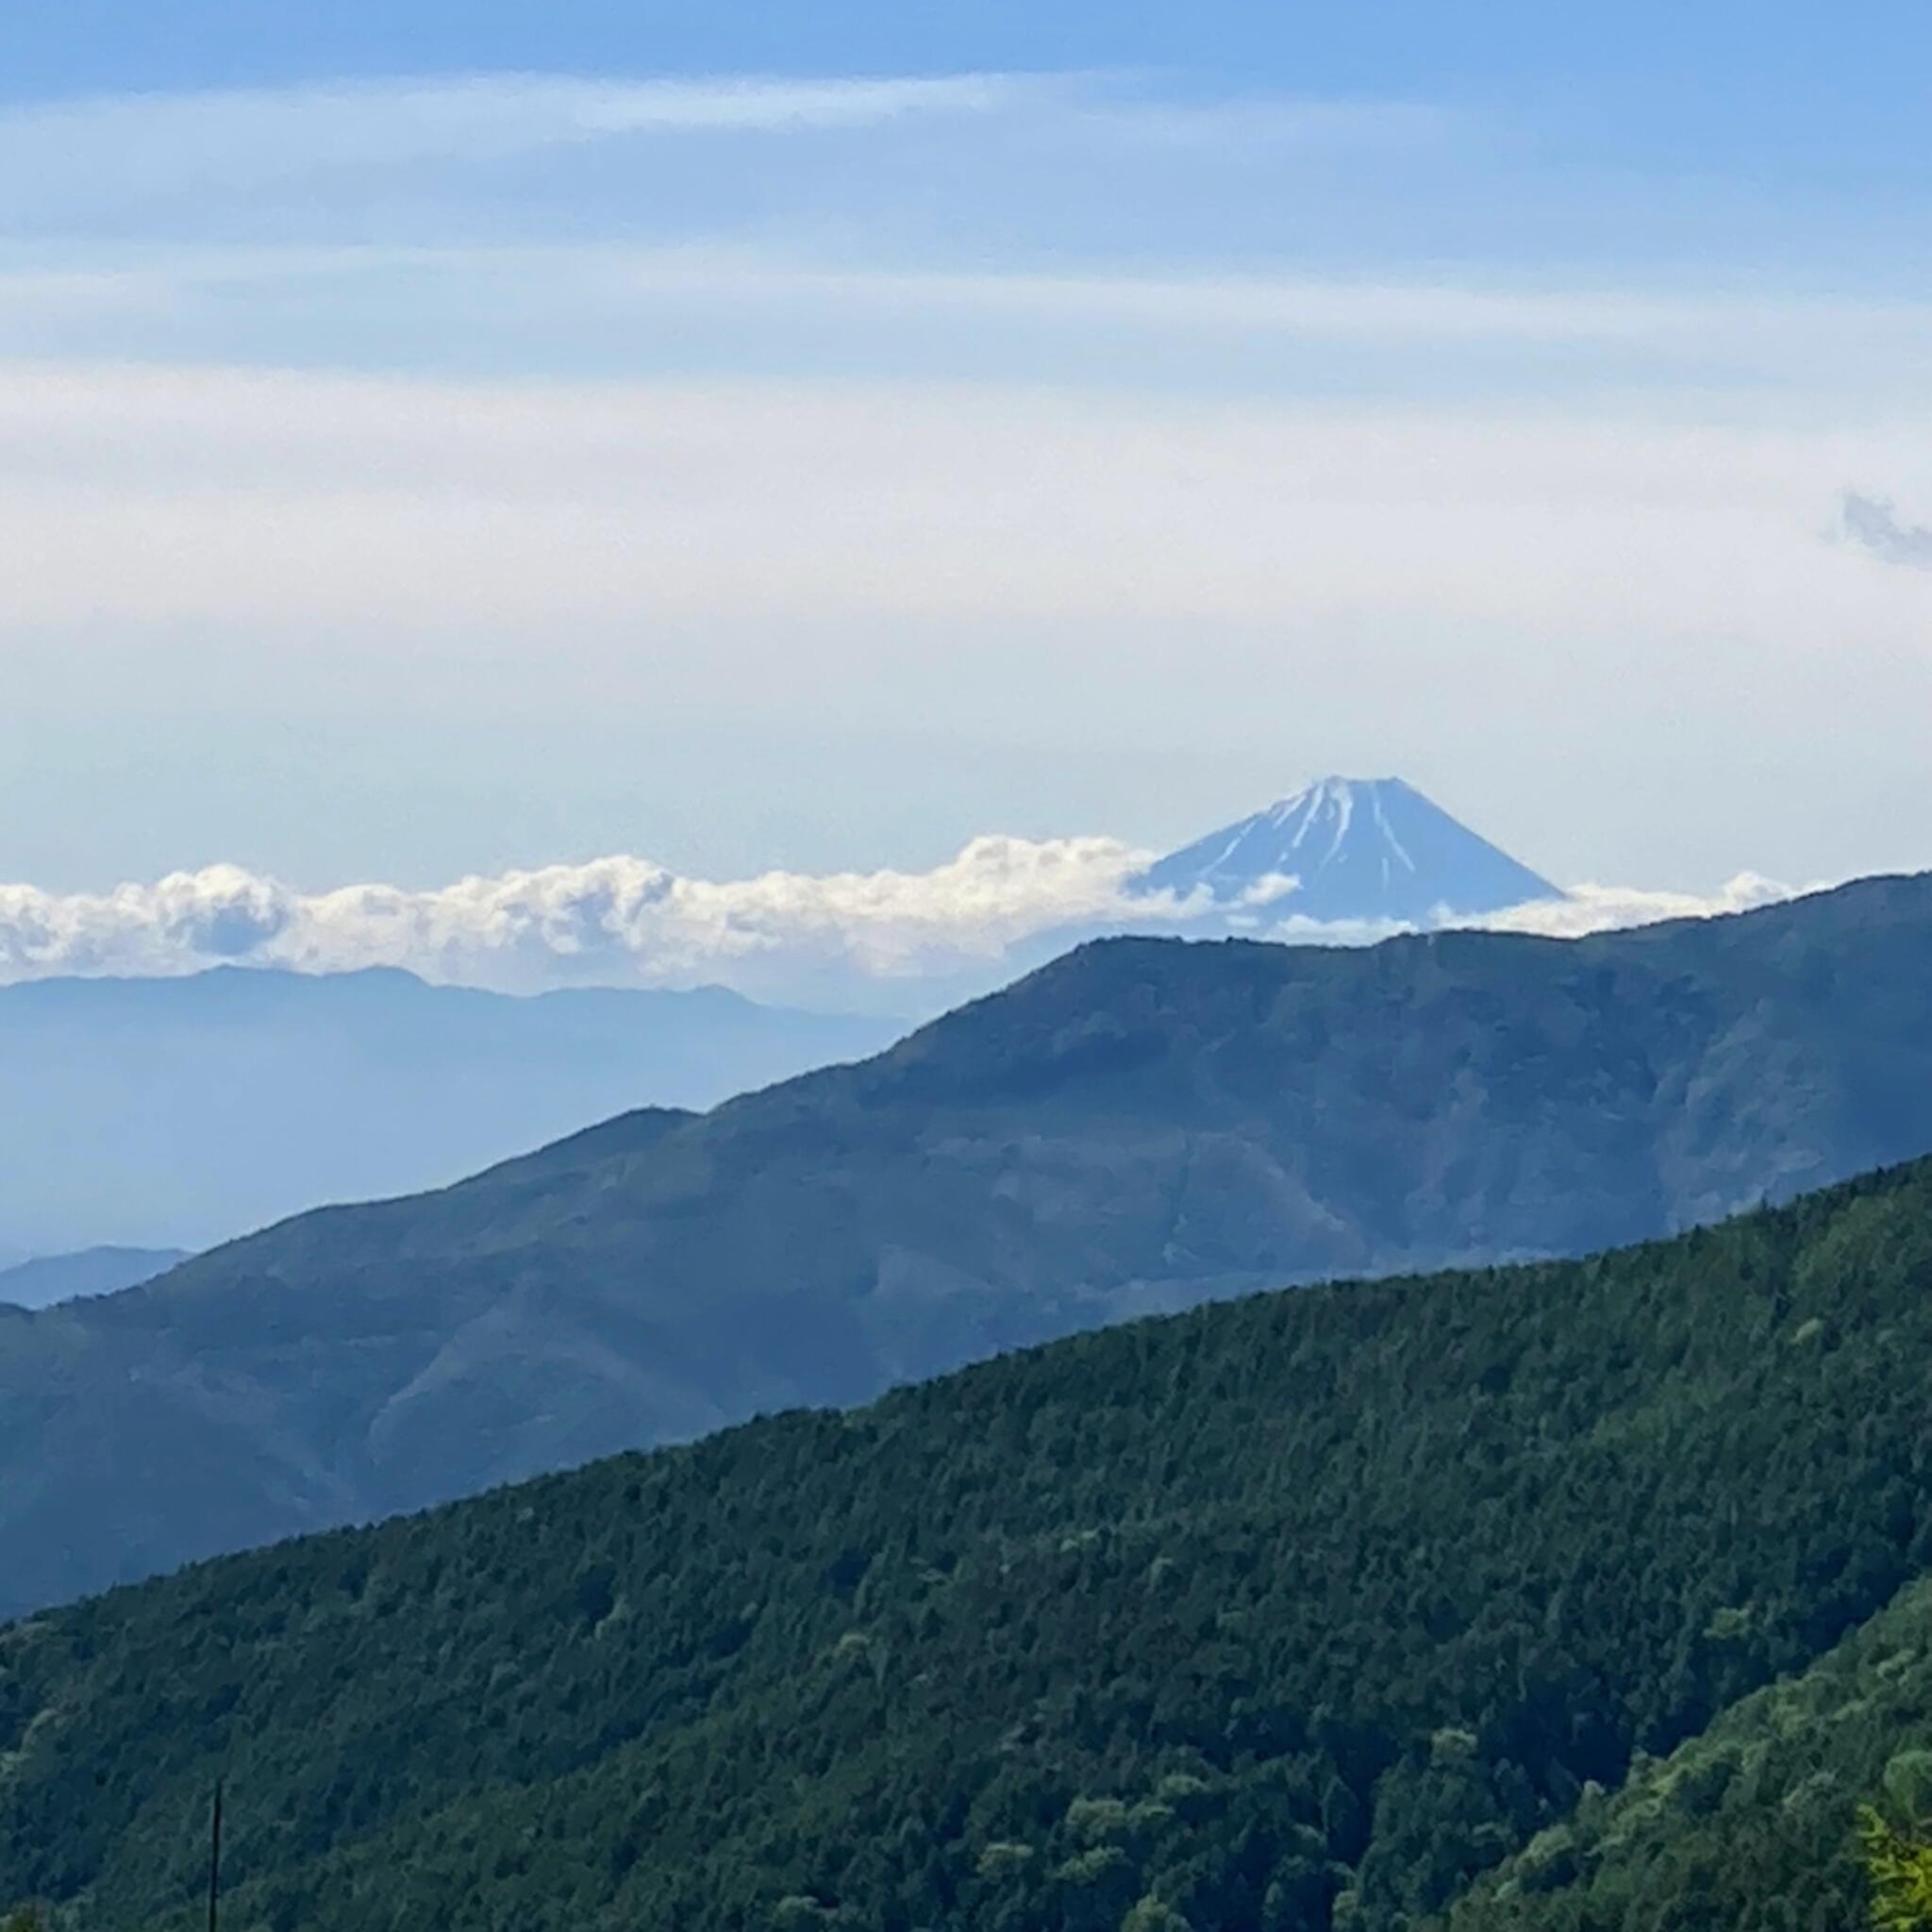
(1876, 527)
(490, 114)
(1300, 307)
(66, 149)
(432, 221)
(1305, 306)
(124, 159)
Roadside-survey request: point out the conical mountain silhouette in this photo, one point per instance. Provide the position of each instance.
(1351, 849)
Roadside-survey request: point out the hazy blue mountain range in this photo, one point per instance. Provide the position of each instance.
(49, 1278)
(180, 1113)
(183, 1111)
(1142, 1124)
(1352, 849)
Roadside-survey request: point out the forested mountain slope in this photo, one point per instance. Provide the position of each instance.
(1751, 1825)
(1303, 1610)
(1138, 1126)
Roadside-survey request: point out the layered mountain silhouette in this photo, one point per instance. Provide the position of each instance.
(180, 1113)
(1141, 1126)
(1347, 850)
(49, 1278)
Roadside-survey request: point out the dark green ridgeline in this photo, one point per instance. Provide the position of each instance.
(1311, 1608)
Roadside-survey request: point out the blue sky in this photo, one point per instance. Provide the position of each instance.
(1803, 96)
(1793, 134)
(1770, 79)
(439, 439)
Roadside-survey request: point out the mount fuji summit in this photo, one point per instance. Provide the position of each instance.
(1347, 849)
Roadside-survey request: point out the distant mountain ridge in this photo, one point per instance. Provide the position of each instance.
(180, 1113)
(46, 1280)
(1351, 849)
(1141, 1126)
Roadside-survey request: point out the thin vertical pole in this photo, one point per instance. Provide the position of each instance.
(214, 1861)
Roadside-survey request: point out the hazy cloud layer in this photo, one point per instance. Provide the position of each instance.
(213, 496)
(1629, 610)
(1873, 524)
(904, 937)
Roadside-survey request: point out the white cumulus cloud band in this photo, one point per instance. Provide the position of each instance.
(618, 920)
(1592, 907)
(853, 937)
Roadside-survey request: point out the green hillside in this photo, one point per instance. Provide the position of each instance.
(1750, 1825)
(1299, 1611)
(1140, 1126)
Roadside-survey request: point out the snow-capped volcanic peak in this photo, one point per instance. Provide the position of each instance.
(1351, 849)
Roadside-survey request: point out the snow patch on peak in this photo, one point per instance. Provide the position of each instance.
(1387, 832)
